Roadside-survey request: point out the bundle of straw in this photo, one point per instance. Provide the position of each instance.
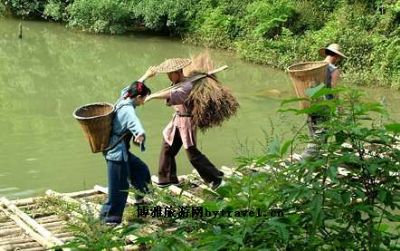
(211, 103)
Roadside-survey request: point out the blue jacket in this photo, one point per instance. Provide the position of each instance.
(125, 119)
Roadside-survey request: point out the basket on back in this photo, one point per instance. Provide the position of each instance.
(96, 122)
(306, 75)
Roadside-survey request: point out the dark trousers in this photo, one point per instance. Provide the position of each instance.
(120, 174)
(314, 126)
(167, 168)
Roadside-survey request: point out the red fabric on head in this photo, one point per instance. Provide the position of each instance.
(139, 88)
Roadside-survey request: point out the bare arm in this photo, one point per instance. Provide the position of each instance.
(159, 95)
(335, 78)
(149, 73)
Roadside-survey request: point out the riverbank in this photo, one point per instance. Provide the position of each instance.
(275, 33)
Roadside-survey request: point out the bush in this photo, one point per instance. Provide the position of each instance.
(277, 33)
(346, 197)
(30, 9)
(168, 15)
(265, 19)
(99, 16)
(2, 9)
(214, 29)
(55, 10)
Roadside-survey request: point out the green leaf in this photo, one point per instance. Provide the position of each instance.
(395, 127)
(372, 168)
(346, 197)
(382, 195)
(285, 147)
(310, 92)
(292, 100)
(280, 228)
(382, 227)
(316, 206)
(332, 172)
(274, 147)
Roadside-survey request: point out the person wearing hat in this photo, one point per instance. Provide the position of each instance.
(180, 130)
(332, 56)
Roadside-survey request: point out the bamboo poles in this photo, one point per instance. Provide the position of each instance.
(194, 78)
(45, 242)
(178, 191)
(18, 216)
(105, 191)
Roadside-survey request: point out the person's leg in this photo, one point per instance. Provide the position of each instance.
(139, 174)
(203, 165)
(118, 185)
(167, 164)
(317, 134)
(312, 125)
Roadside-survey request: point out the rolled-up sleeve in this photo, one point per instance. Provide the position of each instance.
(179, 95)
(133, 123)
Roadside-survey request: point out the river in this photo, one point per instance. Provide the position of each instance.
(53, 70)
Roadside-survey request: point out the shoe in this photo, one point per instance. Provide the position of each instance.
(167, 184)
(140, 202)
(112, 224)
(218, 184)
(112, 221)
(177, 183)
(310, 152)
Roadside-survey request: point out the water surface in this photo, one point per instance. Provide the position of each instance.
(53, 70)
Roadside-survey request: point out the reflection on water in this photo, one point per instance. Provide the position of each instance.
(52, 70)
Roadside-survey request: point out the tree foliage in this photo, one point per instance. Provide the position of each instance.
(268, 32)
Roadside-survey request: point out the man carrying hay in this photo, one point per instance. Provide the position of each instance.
(201, 103)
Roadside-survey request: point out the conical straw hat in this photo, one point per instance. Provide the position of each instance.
(333, 48)
(172, 64)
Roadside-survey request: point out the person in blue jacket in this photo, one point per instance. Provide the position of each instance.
(122, 166)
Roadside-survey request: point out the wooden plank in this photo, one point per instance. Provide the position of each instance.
(230, 171)
(176, 190)
(105, 191)
(81, 193)
(24, 246)
(49, 237)
(15, 241)
(24, 202)
(48, 219)
(24, 226)
(73, 200)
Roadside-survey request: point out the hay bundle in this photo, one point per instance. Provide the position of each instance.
(211, 103)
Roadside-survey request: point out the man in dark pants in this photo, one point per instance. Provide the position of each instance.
(332, 56)
(181, 131)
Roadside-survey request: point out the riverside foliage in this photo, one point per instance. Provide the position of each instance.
(347, 197)
(274, 32)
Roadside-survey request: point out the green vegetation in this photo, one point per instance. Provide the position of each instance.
(277, 33)
(311, 204)
(345, 198)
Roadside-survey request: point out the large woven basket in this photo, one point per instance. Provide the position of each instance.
(96, 122)
(305, 75)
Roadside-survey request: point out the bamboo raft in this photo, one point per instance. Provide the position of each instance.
(26, 225)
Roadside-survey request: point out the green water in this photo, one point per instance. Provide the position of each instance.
(53, 70)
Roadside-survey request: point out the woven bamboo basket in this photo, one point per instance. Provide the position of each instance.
(96, 122)
(305, 75)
